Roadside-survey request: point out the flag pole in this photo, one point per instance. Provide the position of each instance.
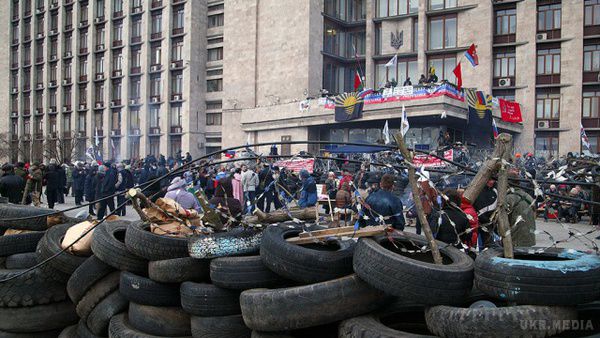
(358, 65)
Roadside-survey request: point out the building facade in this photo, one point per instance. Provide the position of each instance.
(544, 54)
(134, 77)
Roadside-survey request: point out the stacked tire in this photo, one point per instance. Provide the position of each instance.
(34, 301)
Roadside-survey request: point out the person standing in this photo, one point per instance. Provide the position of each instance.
(236, 182)
(11, 185)
(331, 189)
(107, 188)
(69, 173)
(176, 191)
(62, 183)
(249, 184)
(53, 181)
(33, 185)
(120, 187)
(265, 178)
(78, 177)
(485, 204)
(21, 171)
(452, 222)
(384, 203)
(90, 188)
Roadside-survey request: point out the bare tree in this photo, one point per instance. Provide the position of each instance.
(8, 151)
(63, 149)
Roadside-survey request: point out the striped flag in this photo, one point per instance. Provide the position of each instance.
(584, 139)
(404, 125)
(495, 128)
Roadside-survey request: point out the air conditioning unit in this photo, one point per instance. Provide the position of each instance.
(81, 106)
(132, 102)
(117, 72)
(98, 20)
(38, 11)
(154, 99)
(154, 68)
(53, 57)
(543, 125)
(81, 134)
(14, 114)
(68, 54)
(135, 132)
(51, 110)
(114, 133)
(15, 90)
(100, 76)
(113, 104)
(40, 35)
(37, 111)
(65, 109)
(100, 47)
(53, 134)
(27, 137)
(173, 64)
(40, 86)
(65, 82)
(176, 97)
(52, 83)
(98, 105)
(82, 24)
(504, 82)
(53, 31)
(541, 36)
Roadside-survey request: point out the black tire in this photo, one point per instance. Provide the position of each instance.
(85, 276)
(552, 277)
(259, 334)
(97, 293)
(179, 270)
(512, 321)
(305, 264)
(207, 300)
(84, 332)
(309, 305)
(69, 332)
(11, 211)
(21, 243)
(108, 244)
(243, 273)
(145, 291)
(45, 334)
(98, 319)
(38, 318)
(234, 242)
(49, 245)
(35, 287)
(371, 327)
(159, 321)
(21, 261)
(414, 277)
(120, 328)
(143, 243)
(216, 327)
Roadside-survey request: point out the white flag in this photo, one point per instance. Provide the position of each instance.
(443, 116)
(97, 137)
(404, 125)
(386, 133)
(393, 62)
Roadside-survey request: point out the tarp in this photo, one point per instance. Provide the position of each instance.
(354, 149)
(296, 165)
(429, 161)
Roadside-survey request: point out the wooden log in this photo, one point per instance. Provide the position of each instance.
(487, 170)
(503, 222)
(211, 217)
(321, 235)
(306, 214)
(136, 193)
(412, 179)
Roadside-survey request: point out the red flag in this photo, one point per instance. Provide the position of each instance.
(357, 81)
(458, 73)
(511, 111)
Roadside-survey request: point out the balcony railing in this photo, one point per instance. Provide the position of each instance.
(83, 78)
(135, 70)
(154, 131)
(117, 43)
(177, 31)
(156, 35)
(136, 39)
(156, 4)
(176, 130)
(83, 50)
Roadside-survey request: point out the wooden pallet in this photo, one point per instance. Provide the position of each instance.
(348, 231)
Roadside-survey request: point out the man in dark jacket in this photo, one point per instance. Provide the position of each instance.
(53, 180)
(78, 174)
(265, 177)
(21, 171)
(107, 188)
(384, 203)
(11, 185)
(453, 221)
(486, 204)
(62, 183)
(90, 188)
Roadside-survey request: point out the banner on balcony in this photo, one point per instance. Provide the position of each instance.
(404, 93)
(429, 161)
(297, 164)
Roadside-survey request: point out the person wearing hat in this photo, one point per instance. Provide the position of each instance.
(308, 193)
(11, 185)
(78, 177)
(53, 180)
(383, 203)
(33, 186)
(552, 204)
(176, 191)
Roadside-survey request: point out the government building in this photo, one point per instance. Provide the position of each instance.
(139, 77)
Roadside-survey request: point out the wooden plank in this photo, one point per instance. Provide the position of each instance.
(332, 231)
(364, 232)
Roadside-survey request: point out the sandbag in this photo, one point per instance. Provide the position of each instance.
(174, 229)
(83, 246)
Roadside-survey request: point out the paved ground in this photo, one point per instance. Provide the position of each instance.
(545, 229)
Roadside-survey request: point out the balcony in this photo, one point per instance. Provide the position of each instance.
(14, 90)
(176, 130)
(26, 137)
(53, 135)
(135, 132)
(83, 78)
(14, 65)
(52, 84)
(27, 14)
(26, 63)
(67, 108)
(118, 15)
(100, 48)
(69, 2)
(81, 134)
(82, 106)
(39, 86)
(156, 4)
(117, 73)
(156, 36)
(67, 134)
(26, 38)
(26, 112)
(39, 36)
(177, 31)
(83, 24)
(69, 27)
(26, 88)
(178, 64)
(39, 111)
(115, 103)
(54, 5)
(15, 18)
(134, 101)
(154, 131)
(115, 132)
(99, 105)
(83, 51)
(99, 20)
(136, 39)
(155, 99)
(14, 137)
(67, 81)
(155, 68)
(117, 43)
(99, 77)
(176, 97)
(14, 113)
(178, 2)
(53, 57)
(39, 136)
(40, 10)
(52, 110)
(15, 42)
(137, 10)
(53, 31)
(39, 60)
(135, 70)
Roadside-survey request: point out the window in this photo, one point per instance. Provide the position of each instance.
(116, 91)
(444, 65)
(549, 17)
(83, 40)
(346, 10)
(69, 19)
(404, 69)
(83, 67)
(15, 34)
(83, 12)
(442, 32)
(136, 58)
(117, 7)
(52, 99)
(53, 72)
(214, 105)
(212, 8)
(215, 20)
(99, 64)
(591, 101)
(547, 106)
(14, 57)
(99, 93)
(178, 18)
(100, 37)
(67, 44)
(67, 71)
(136, 3)
(100, 9)
(154, 117)
(177, 84)
(118, 32)
(548, 61)
(40, 25)
(67, 97)
(54, 22)
(135, 88)
(592, 13)
(156, 55)
(134, 119)
(177, 51)
(136, 28)
(176, 116)
(53, 48)
(396, 7)
(117, 61)
(441, 4)
(546, 145)
(116, 121)
(215, 54)
(506, 21)
(214, 72)
(504, 65)
(98, 122)
(155, 86)
(82, 95)
(156, 24)
(214, 85)
(213, 119)
(591, 58)
(215, 41)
